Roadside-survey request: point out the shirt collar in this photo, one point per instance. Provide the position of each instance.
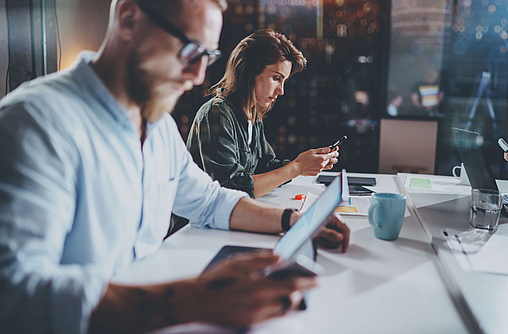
(88, 80)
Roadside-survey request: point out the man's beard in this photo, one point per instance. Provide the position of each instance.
(141, 87)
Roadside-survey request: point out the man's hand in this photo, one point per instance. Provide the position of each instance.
(314, 161)
(235, 293)
(506, 156)
(335, 235)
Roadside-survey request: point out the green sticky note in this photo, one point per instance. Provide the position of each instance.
(420, 183)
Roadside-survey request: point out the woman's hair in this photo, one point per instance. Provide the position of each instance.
(249, 59)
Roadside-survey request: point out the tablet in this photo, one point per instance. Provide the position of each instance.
(313, 219)
(298, 240)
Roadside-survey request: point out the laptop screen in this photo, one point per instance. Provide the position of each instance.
(470, 146)
(310, 222)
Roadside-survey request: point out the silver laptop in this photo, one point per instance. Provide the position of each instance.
(470, 146)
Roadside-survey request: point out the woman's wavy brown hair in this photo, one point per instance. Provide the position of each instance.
(249, 59)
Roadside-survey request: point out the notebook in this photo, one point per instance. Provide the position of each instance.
(355, 184)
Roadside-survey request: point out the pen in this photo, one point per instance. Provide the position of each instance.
(463, 251)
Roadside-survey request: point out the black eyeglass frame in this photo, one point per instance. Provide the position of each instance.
(163, 23)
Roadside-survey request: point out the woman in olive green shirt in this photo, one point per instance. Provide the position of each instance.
(227, 137)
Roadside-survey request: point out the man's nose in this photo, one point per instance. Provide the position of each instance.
(196, 72)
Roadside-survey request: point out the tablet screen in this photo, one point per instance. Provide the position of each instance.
(310, 222)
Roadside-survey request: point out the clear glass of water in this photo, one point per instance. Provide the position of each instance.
(485, 208)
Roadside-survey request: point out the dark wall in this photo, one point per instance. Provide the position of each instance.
(21, 41)
(477, 42)
(3, 48)
(77, 24)
(340, 91)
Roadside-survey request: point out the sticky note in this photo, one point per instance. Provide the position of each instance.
(346, 209)
(420, 183)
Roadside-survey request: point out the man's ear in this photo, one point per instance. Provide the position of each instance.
(129, 18)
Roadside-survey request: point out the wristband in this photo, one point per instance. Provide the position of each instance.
(285, 221)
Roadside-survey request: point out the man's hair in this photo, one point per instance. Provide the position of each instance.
(173, 7)
(168, 7)
(249, 59)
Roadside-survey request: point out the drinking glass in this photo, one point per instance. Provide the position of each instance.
(486, 208)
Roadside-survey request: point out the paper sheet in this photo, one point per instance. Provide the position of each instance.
(357, 205)
(480, 251)
(310, 198)
(439, 184)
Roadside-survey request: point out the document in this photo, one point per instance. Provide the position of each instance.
(479, 251)
(310, 198)
(430, 183)
(357, 205)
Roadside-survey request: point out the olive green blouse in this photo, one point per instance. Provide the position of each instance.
(218, 142)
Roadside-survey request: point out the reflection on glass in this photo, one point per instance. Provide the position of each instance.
(416, 52)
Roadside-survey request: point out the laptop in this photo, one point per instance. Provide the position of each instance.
(470, 147)
(479, 173)
(298, 240)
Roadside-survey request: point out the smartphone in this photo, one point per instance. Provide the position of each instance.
(357, 190)
(302, 267)
(503, 144)
(338, 142)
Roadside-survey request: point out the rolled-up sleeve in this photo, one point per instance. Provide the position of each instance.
(201, 200)
(39, 294)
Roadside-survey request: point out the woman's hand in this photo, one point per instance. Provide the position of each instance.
(314, 161)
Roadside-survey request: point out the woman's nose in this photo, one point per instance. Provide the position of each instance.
(280, 90)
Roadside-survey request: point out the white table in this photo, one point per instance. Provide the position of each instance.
(376, 287)
(482, 298)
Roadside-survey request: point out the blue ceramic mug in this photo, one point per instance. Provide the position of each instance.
(386, 215)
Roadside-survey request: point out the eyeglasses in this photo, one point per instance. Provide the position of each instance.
(192, 51)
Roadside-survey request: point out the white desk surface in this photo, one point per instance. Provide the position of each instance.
(376, 287)
(483, 296)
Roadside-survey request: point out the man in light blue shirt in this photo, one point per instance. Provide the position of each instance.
(91, 167)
